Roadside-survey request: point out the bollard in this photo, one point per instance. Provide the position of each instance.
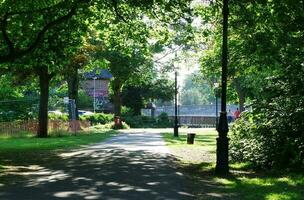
(190, 138)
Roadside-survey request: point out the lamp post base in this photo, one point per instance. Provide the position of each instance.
(175, 131)
(222, 167)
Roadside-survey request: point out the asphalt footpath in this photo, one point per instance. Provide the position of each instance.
(129, 166)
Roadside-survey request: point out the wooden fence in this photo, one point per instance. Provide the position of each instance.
(31, 126)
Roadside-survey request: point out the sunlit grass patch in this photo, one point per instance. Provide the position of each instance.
(16, 135)
(224, 181)
(243, 182)
(206, 138)
(263, 186)
(54, 142)
(203, 149)
(282, 196)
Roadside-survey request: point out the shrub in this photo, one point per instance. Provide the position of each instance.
(126, 111)
(61, 117)
(110, 125)
(264, 142)
(162, 121)
(98, 118)
(134, 121)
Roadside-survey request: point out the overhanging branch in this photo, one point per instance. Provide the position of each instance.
(5, 36)
(14, 54)
(117, 12)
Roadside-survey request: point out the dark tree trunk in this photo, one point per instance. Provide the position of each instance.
(73, 86)
(117, 100)
(44, 81)
(117, 105)
(241, 94)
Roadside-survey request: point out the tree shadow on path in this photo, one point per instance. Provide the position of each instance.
(102, 173)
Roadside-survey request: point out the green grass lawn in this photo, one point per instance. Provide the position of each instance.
(54, 142)
(205, 140)
(242, 183)
(203, 149)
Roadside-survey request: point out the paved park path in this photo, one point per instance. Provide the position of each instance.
(135, 166)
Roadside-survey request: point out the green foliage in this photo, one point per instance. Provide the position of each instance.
(84, 101)
(266, 70)
(98, 118)
(163, 121)
(62, 117)
(196, 90)
(266, 141)
(28, 23)
(138, 121)
(111, 125)
(125, 111)
(17, 102)
(137, 95)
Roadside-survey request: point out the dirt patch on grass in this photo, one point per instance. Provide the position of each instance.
(193, 154)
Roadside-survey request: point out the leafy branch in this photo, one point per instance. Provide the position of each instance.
(13, 53)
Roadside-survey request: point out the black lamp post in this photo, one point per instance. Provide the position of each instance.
(175, 108)
(222, 166)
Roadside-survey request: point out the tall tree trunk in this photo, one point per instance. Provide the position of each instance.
(117, 104)
(44, 81)
(73, 86)
(117, 100)
(241, 94)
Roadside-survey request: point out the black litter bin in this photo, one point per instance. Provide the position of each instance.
(190, 138)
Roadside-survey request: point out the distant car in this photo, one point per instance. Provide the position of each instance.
(84, 112)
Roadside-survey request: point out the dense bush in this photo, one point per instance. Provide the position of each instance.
(98, 118)
(266, 142)
(62, 117)
(162, 121)
(110, 125)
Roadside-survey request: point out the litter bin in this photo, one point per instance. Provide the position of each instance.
(190, 138)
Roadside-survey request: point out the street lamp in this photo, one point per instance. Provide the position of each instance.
(222, 142)
(216, 86)
(94, 94)
(175, 107)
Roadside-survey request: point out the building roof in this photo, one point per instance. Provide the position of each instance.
(99, 74)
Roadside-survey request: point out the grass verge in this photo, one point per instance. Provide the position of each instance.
(54, 142)
(242, 183)
(203, 149)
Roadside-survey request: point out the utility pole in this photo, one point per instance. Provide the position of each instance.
(175, 106)
(222, 165)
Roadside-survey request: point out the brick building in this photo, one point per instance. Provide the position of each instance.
(96, 85)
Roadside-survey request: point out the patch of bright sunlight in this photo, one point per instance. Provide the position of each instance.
(239, 166)
(258, 181)
(292, 181)
(281, 196)
(224, 181)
